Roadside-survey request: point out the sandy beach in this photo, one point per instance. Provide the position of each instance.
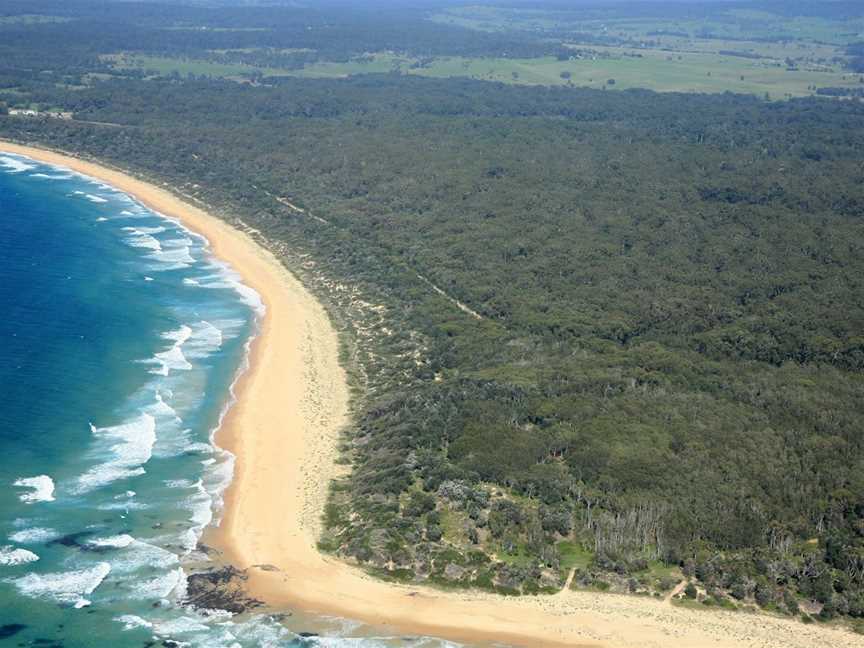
(284, 429)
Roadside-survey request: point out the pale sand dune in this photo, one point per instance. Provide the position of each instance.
(284, 430)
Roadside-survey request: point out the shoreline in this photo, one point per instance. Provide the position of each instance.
(283, 428)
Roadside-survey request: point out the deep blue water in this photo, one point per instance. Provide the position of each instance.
(120, 337)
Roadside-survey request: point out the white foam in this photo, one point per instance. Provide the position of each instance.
(180, 625)
(162, 410)
(180, 483)
(345, 626)
(365, 642)
(133, 622)
(205, 339)
(171, 584)
(180, 335)
(139, 555)
(99, 476)
(145, 230)
(173, 438)
(142, 237)
(183, 242)
(63, 587)
(231, 328)
(189, 540)
(15, 164)
(201, 506)
(172, 258)
(34, 535)
(173, 358)
(214, 629)
(112, 542)
(148, 278)
(348, 642)
(219, 477)
(132, 563)
(131, 446)
(101, 219)
(123, 506)
(52, 176)
(263, 632)
(42, 485)
(206, 502)
(10, 556)
(175, 254)
(226, 278)
(90, 197)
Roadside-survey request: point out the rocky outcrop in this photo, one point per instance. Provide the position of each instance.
(220, 589)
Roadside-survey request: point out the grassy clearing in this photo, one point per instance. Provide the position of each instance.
(249, 50)
(674, 54)
(500, 19)
(660, 71)
(734, 23)
(453, 525)
(611, 68)
(798, 50)
(520, 557)
(766, 26)
(659, 576)
(381, 63)
(657, 569)
(163, 66)
(573, 555)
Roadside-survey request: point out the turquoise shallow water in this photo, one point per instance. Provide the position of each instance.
(121, 337)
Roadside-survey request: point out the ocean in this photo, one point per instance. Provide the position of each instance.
(121, 338)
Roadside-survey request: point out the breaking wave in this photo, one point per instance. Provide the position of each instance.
(128, 447)
(15, 164)
(12, 556)
(63, 587)
(42, 489)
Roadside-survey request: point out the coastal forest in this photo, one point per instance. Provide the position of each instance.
(597, 333)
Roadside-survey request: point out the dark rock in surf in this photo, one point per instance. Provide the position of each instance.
(11, 629)
(220, 589)
(70, 540)
(41, 642)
